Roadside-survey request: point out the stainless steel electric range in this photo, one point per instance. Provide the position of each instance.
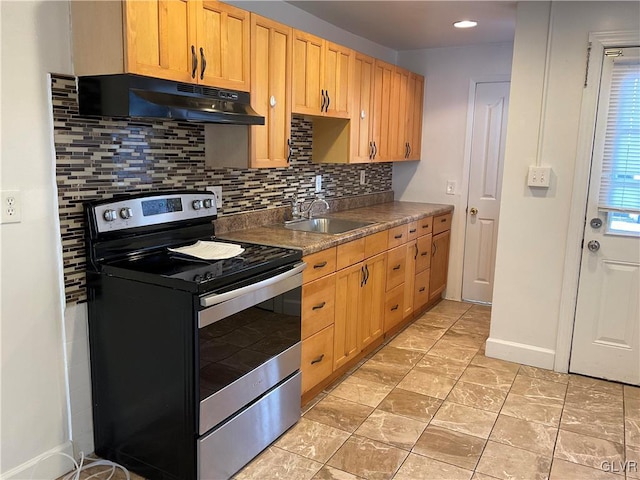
(194, 363)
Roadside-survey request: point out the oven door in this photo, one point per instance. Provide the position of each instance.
(249, 341)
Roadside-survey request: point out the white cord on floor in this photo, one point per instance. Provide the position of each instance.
(82, 466)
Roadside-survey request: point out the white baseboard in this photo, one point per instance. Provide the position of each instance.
(520, 353)
(48, 465)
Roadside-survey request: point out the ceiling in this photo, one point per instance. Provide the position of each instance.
(409, 25)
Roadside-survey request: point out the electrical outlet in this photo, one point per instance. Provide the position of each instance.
(451, 187)
(539, 177)
(11, 206)
(318, 183)
(363, 180)
(217, 190)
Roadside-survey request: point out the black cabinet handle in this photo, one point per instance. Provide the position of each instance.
(413, 230)
(434, 249)
(364, 277)
(370, 150)
(366, 272)
(415, 255)
(204, 63)
(443, 220)
(317, 359)
(194, 62)
(425, 226)
(319, 306)
(409, 145)
(424, 254)
(397, 267)
(326, 108)
(395, 307)
(375, 150)
(324, 100)
(290, 150)
(398, 237)
(422, 289)
(320, 265)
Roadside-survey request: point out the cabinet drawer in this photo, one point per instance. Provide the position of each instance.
(441, 223)
(318, 304)
(396, 266)
(393, 307)
(421, 290)
(319, 264)
(317, 358)
(350, 253)
(375, 244)
(397, 235)
(425, 225)
(423, 256)
(413, 230)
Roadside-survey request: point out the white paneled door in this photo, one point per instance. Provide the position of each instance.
(606, 335)
(485, 182)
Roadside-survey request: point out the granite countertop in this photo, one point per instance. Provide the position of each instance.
(385, 216)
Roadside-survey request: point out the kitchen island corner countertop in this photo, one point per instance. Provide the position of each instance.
(385, 215)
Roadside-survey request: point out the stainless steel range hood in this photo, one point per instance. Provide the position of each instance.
(126, 95)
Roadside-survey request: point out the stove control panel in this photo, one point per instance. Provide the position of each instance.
(152, 209)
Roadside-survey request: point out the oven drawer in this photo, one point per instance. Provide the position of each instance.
(231, 446)
(226, 402)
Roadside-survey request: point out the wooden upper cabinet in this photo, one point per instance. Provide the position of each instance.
(414, 115)
(322, 76)
(195, 41)
(271, 55)
(222, 45)
(362, 114)
(157, 37)
(397, 119)
(382, 79)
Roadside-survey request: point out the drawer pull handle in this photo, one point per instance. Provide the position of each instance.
(424, 254)
(318, 359)
(397, 267)
(422, 289)
(443, 220)
(320, 265)
(426, 225)
(319, 306)
(395, 307)
(398, 236)
(413, 231)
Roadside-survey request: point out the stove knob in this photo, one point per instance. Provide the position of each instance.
(207, 203)
(208, 275)
(196, 204)
(197, 278)
(109, 215)
(126, 213)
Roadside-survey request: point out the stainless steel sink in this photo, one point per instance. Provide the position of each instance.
(332, 226)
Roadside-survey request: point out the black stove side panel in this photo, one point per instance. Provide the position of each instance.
(142, 341)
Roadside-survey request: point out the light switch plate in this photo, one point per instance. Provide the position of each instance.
(451, 187)
(539, 177)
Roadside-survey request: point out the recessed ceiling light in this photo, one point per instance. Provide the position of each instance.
(465, 24)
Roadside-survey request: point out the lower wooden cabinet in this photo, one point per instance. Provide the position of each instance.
(393, 307)
(318, 304)
(421, 290)
(317, 358)
(360, 298)
(439, 264)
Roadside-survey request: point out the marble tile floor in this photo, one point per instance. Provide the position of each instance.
(430, 405)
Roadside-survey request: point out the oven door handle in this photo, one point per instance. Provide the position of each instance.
(215, 299)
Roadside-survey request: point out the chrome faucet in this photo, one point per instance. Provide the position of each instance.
(309, 211)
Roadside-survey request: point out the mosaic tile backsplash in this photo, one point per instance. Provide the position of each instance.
(98, 158)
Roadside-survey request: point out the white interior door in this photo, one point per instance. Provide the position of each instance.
(488, 136)
(606, 336)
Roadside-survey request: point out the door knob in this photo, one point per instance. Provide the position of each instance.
(593, 245)
(473, 211)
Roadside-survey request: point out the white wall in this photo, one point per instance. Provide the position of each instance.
(546, 93)
(35, 41)
(295, 17)
(448, 74)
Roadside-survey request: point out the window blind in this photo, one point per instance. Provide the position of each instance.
(620, 176)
